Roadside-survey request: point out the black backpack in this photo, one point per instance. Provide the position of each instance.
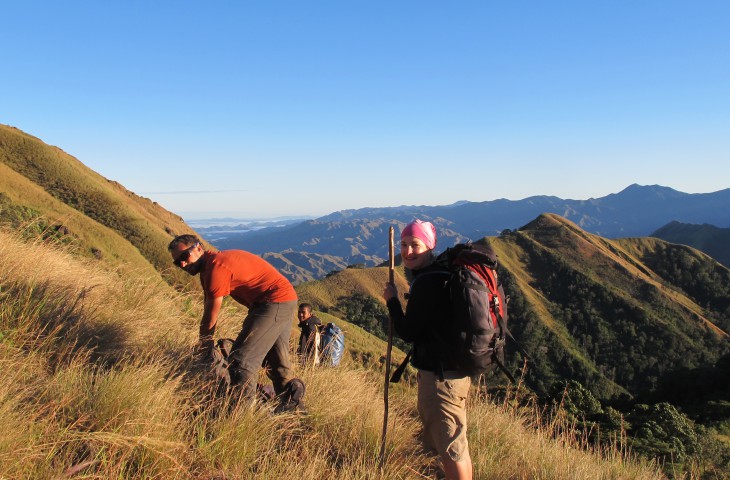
(478, 324)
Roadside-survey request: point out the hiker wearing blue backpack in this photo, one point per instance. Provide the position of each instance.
(443, 386)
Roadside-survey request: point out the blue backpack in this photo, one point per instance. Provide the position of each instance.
(332, 345)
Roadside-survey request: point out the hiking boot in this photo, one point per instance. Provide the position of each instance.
(292, 398)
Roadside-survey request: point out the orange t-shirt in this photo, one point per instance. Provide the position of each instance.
(247, 278)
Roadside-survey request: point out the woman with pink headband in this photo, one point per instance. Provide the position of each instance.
(442, 387)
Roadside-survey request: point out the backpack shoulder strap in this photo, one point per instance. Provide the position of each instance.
(398, 373)
(506, 332)
(427, 274)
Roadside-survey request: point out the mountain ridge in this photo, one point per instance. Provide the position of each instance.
(357, 236)
(596, 294)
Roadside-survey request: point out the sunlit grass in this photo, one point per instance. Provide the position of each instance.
(95, 382)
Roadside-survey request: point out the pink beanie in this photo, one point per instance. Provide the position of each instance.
(424, 231)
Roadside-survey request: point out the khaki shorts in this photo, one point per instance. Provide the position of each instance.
(442, 408)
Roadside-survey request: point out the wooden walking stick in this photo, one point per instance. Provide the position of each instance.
(391, 275)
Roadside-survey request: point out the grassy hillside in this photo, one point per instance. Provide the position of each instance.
(100, 215)
(97, 383)
(95, 346)
(608, 313)
(325, 293)
(26, 205)
(599, 311)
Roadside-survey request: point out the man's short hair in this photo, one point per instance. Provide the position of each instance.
(186, 240)
(306, 306)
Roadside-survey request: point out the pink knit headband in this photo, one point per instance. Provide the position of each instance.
(424, 231)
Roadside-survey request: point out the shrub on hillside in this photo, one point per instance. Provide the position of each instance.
(366, 312)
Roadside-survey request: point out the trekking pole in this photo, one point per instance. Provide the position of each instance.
(391, 279)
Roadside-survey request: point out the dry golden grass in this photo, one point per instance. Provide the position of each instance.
(95, 383)
(369, 281)
(522, 443)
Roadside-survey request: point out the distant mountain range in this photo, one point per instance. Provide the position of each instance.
(313, 247)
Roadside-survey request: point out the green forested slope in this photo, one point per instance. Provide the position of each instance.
(710, 239)
(601, 312)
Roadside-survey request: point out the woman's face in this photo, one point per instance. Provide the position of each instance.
(415, 253)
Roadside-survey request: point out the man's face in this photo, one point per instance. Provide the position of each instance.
(303, 314)
(188, 257)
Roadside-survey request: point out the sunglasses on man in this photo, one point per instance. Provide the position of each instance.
(185, 255)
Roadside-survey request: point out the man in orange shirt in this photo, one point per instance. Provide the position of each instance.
(271, 302)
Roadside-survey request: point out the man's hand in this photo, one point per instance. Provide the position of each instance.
(204, 350)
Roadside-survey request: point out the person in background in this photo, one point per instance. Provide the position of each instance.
(309, 338)
(264, 337)
(442, 388)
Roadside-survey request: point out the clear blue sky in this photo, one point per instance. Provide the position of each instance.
(260, 109)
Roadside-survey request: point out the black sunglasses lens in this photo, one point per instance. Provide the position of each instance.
(184, 256)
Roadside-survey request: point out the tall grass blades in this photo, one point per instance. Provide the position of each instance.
(96, 382)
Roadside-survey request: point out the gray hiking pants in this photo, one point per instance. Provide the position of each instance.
(263, 341)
